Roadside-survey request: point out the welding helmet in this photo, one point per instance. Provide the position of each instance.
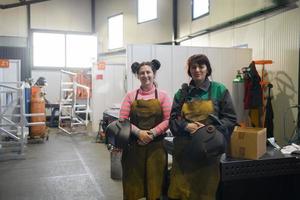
(207, 142)
(118, 132)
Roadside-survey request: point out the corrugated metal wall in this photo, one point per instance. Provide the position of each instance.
(281, 44)
(274, 38)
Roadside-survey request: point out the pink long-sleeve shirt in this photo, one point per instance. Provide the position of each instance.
(165, 103)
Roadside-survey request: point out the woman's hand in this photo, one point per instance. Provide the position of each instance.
(193, 127)
(144, 137)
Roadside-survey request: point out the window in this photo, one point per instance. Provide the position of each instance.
(48, 50)
(200, 8)
(147, 10)
(63, 50)
(81, 50)
(115, 32)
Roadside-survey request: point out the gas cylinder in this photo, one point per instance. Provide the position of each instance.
(37, 105)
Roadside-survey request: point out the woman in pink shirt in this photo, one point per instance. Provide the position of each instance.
(144, 162)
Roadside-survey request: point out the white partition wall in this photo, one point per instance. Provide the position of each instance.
(114, 78)
(12, 76)
(108, 87)
(224, 61)
(12, 73)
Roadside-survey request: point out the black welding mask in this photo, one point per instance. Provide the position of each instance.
(201, 148)
(206, 142)
(118, 132)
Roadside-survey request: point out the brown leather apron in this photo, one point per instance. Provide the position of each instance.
(144, 166)
(201, 183)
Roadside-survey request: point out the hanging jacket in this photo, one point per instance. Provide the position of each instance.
(253, 90)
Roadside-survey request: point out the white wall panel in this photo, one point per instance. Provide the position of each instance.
(171, 75)
(220, 11)
(179, 68)
(136, 53)
(163, 77)
(222, 38)
(13, 22)
(65, 15)
(224, 61)
(12, 73)
(223, 65)
(242, 7)
(107, 91)
(173, 72)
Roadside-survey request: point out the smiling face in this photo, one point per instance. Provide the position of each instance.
(198, 72)
(146, 76)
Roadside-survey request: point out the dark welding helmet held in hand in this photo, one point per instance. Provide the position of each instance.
(118, 132)
(202, 147)
(207, 142)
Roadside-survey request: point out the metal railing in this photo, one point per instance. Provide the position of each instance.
(13, 120)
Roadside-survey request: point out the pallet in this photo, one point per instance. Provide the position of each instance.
(38, 139)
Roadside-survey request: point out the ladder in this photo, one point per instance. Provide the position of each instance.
(70, 108)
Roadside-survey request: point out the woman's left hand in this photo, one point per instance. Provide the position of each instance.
(145, 137)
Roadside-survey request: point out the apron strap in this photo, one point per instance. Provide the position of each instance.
(137, 92)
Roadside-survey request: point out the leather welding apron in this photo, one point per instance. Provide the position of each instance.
(144, 166)
(199, 181)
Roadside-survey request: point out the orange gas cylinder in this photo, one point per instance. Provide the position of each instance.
(37, 105)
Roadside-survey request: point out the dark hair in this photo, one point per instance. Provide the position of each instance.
(154, 64)
(199, 59)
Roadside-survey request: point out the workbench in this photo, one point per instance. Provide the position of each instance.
(273, 176)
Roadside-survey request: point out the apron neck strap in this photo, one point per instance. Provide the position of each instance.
(137, 92)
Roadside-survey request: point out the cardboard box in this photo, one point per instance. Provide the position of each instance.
(248, 142)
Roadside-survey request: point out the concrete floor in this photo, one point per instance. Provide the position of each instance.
(63, 168)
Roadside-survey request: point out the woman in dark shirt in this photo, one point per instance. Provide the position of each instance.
(191, 109)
